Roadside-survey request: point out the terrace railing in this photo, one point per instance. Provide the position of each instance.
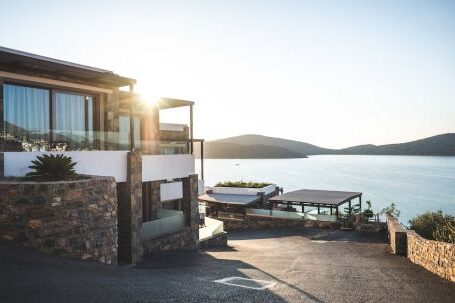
(169, 221)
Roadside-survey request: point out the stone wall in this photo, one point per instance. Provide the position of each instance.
(68, 218)
(263, 222)
(130, 211)
(219, 240)
(437, 257)
(181, 240)
(397, 236)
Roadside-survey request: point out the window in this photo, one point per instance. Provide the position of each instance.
(73, 120)
(38, 119)
(26, 116)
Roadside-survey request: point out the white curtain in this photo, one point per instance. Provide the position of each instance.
(26, 111)
(71, 113)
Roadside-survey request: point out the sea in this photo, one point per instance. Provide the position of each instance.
(415, 184)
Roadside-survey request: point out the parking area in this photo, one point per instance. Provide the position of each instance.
(293, 265)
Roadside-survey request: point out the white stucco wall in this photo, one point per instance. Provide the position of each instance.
(163, 167)
(171, 191)
(242, 191)
(99, 163)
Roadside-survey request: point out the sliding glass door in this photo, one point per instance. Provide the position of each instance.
(73, 120)
(38, 119)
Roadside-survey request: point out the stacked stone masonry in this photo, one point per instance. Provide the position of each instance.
(437, 257)
(262, 222)
(68, 218)
(397, 236)
(219, 240)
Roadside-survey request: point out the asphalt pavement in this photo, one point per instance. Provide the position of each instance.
(292, 265)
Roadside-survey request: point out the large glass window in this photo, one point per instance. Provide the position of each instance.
(73, 116)
(34, 120)
(26, 117)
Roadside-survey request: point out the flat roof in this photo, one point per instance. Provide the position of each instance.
(230, 199)
(327, 197)
(23, 62)
(165, 103)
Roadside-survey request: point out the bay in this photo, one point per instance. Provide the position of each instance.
(414, 183)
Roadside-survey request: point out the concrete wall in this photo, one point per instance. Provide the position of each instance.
(68, 218)
(95, 163)
(242, 191)
(162, 167)
(437, 257)
(397, 236)
(171, 191)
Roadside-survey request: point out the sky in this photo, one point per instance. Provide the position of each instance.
(330, 73)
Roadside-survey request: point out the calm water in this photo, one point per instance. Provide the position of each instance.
(414, 183)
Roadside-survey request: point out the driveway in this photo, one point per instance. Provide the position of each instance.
(298, 265)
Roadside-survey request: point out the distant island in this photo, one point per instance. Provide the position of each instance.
(263, 147)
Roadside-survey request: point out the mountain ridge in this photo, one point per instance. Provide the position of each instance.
(263, 147)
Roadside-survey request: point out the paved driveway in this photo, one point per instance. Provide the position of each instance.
(309, 265)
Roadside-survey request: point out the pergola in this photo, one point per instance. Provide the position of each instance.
(318, 198)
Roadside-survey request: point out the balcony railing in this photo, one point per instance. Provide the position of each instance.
(69, 140)
(169, 221)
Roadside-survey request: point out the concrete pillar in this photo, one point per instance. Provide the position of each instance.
(130, 212)
(190, 207)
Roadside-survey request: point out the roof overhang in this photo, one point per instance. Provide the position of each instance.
(313, 196)
(239, 200)
(16, 61)
(166, 103)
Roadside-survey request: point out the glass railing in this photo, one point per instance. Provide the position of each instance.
(169, 221)
(69, 140)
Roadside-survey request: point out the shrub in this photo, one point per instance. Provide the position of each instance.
(435, 226)
(52, 168)
(242, 184)
(391, 210)
(368, 212)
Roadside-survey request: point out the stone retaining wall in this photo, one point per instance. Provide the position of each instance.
(69, 218)
(263, 222)
(218, 240)
(437, 257)
(181, 240)
(397, 236)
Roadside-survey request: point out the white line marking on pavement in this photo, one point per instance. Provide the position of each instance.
(229, 281)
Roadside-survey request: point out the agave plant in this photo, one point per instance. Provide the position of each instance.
(52, 168)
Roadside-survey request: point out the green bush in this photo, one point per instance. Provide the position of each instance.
(368, 212)
(242, 184)
(434, 226)
(52, 168)
(391, 210)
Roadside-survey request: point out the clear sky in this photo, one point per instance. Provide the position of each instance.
(331, 73)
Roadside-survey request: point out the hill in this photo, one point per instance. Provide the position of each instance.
(227, 150)
(440, 145)
(262, 147)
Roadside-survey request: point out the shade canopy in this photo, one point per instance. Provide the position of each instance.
(165, 103)
(242, 200)
(325, 197)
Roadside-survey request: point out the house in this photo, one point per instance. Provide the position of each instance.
(94, 116)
